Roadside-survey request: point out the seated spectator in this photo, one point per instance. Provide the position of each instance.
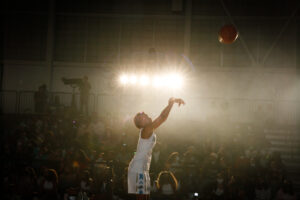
(49, 186)
(27, 184)
(219, 190)
(85, 181)
(262, 190)
(211, 167)
(156, 163)
(286, 191)
(68, 179)
(166, 184)
(173, 163)
(85, 185)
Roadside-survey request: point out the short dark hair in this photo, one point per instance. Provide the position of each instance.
(136, 121)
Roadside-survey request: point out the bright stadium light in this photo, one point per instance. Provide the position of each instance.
(144, 80)
(133, 79)
(174, 81)
(124, 79)
(157, 81)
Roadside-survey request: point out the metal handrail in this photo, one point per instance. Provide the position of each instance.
(13, 101)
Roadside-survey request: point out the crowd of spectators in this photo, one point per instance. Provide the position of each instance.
(61, 157)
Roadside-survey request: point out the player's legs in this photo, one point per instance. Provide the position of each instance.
(139, 184)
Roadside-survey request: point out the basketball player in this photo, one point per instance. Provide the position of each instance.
(138, 170)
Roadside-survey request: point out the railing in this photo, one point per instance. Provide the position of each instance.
(20, 102)
(237, 109)
(9, 101)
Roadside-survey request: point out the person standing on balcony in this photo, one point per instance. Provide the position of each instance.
(41, 99)
(84, 89)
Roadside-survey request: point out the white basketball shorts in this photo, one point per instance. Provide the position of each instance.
(138, 183)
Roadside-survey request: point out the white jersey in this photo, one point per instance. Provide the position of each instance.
(142, 158)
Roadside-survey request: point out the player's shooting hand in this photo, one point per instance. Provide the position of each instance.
(171, 100)
(179, 101)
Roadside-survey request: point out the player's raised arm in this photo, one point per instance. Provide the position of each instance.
(148, 130)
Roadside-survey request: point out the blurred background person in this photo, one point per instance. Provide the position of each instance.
(41, 99)
(84, 89)
(167, 185)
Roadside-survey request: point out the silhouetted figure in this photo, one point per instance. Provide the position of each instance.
(41, 99)
(138, 170)
(84, 89)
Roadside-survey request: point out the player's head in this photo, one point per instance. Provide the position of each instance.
(141, 120)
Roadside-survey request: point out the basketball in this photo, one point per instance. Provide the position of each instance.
(228, 34)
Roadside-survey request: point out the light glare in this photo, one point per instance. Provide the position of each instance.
(174, 81)
(133, 79)
(144, 80)
(124, 79)
(157, 81)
